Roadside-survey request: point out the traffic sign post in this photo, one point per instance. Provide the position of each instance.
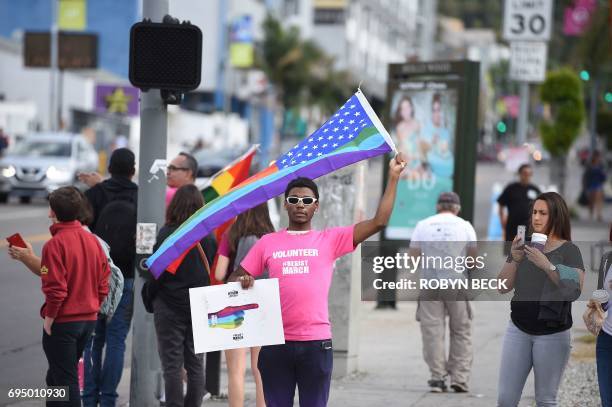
(528, 61)
(527, 26)
(527, 20)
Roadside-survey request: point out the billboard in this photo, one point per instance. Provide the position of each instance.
(432, 119)
(242, 52)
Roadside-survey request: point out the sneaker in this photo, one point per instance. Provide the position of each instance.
(437, 386)
(219, 397)
(460, 387)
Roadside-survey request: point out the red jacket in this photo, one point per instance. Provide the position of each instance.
(74, 273)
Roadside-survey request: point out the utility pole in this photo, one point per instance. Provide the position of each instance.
(53, 37)
(523, 119)
(146, 371)
(593, 116)
(429, 24)
(221, 90)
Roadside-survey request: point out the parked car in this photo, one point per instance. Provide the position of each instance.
(43, 162)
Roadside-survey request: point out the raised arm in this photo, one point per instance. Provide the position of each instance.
(508, 271)
(367, 228)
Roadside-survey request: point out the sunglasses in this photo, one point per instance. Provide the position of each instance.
(175, 168)
(294, 200)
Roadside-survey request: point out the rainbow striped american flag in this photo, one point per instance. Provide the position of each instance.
(354, 133)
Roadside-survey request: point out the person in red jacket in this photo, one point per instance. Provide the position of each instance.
(74, 273)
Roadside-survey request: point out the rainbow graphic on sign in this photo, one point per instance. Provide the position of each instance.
(229, 317)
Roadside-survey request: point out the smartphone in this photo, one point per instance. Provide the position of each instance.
(16, 240)
(520, 232)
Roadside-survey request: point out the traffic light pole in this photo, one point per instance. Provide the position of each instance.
(146, 371)
(53, 88)
(593, 117)
(523, 119)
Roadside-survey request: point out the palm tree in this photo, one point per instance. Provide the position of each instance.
(301, 73)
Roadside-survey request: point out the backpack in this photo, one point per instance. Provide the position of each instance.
(116, 225)
(115, 284)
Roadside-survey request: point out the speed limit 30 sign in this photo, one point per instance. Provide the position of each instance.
(527, 20)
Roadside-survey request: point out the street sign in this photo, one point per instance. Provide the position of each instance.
(527, 20)
(116, 99)
(76, 50)
(528, 61)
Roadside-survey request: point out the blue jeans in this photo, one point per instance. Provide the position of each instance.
(102, 379)
(604, 367)
(307, 364)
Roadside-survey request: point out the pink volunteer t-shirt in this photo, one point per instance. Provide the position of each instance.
(303, 264)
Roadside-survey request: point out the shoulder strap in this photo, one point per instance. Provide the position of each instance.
(204, 259)
(603, 270)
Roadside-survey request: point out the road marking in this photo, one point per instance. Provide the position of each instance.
(32, 213)
(43, 237)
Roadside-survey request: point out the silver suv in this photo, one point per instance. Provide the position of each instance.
(43, 162)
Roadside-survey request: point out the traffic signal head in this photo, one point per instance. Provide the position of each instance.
(584, 75)
(608, 97)
(501, 127)
(165, 55)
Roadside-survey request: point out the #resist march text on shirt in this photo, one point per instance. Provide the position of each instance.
(303, 264)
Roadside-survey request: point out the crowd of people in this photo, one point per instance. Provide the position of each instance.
(87, 275)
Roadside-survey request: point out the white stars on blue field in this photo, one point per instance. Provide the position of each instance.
(344, 126)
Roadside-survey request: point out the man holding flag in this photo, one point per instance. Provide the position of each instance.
(303, 261)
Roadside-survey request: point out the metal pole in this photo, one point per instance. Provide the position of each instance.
(53, 38)
(60, 100)
(146, 372)
(222, 55)
(428, 29)
(523, 120)
(593, 117)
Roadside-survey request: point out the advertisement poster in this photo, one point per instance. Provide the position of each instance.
(423, 120)
(228, 317)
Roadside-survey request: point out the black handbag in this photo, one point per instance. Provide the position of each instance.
(149, 292)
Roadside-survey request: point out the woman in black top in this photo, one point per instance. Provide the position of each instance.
(171, 309)
(545, 283)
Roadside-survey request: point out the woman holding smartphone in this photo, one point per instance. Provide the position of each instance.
(546, 279)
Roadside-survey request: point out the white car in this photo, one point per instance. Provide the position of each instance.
(43, 162)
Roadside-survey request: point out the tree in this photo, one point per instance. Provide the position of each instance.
(593, 50)
(562, 92)
(302, 74)
(287, 61)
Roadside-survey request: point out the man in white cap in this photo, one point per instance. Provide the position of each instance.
(460, 241)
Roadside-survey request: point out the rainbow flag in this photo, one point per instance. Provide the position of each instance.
(230, 176)
(354, 133)
(233, 174)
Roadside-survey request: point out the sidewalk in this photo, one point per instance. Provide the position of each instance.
(391, 370)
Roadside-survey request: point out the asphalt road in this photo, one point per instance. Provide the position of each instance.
(22, 361)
